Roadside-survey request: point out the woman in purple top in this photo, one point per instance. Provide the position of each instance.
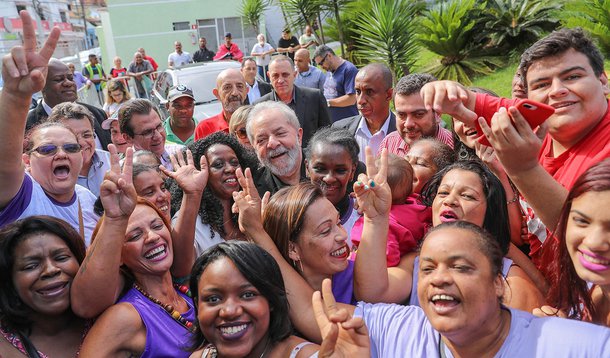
(302, 229)
(155, 317)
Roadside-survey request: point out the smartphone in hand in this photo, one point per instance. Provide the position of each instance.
(534, 113)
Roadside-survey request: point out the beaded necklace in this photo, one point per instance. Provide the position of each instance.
(169, 308)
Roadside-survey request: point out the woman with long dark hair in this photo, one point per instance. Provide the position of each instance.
(580, 284)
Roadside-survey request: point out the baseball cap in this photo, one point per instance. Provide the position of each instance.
(228, 34)
(114, 117)
(179, 91)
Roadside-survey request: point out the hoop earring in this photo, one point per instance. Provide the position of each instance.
(300, 265)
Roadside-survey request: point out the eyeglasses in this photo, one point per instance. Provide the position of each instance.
(321, 63)
(50, 149)
(149, 133)
(241, 133)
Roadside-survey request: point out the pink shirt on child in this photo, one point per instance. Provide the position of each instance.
(409, 222)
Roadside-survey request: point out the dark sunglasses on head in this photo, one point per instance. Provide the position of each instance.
(241, 133)
(51, 149)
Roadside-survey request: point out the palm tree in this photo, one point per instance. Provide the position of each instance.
(514, 25)
(594, 17)
(252, 11)
(300, 13)
(387, 34)
(448, 30)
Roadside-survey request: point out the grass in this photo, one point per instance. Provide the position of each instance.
(500, 81)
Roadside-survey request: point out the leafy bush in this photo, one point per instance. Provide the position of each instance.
(449, 30)
(387, 34)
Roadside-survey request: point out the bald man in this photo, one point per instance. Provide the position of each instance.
(231, 90)
(307, 75)
(59, 88)
(373, 96)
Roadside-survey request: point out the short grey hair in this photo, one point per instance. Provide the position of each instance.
(71, 110)
(258, 109)
(322, 51)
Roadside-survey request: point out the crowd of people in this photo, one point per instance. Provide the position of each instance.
(310, 217)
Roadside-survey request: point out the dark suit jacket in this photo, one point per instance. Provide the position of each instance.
(38, 115)
(263, 88)
(351, 123)
(310, 107)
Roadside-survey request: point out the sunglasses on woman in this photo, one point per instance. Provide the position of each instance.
(50, 149)
(241, 133)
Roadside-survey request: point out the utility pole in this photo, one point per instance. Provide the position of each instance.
(82, 4)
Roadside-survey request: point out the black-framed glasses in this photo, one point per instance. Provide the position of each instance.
(51, 149)
(149, 133)
(321, 63)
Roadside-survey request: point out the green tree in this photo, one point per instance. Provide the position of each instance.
(252, 11)
(387, 34)
(300, 13)
(513, 25)
(594, 17)
(449, 30)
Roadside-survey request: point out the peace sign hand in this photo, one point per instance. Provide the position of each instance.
(24, 70)
(343, 335)
(117, 192)
(372, 190)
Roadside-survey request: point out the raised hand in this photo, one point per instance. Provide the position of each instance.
(488, 156)
(343, 335)
(248, 203)
(372, 190)
(24, 70)
(451, 98)
(117, 192)
(189, 179)
(513, 140)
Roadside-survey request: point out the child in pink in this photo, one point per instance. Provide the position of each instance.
(409, 220)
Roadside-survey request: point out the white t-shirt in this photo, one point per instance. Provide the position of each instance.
(203, 235)
(32, 200)
(179, 59)
(262, 60)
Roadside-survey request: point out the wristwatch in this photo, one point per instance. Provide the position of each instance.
(328, 102)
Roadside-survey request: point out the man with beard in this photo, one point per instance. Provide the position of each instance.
(59, 88)
(275, 133)
(413, 120)
(309, 104)
(231, 90)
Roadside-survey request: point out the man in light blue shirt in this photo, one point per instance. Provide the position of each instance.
(307, 75)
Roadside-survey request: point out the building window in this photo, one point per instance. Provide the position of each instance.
(183, 25)
(62, 14)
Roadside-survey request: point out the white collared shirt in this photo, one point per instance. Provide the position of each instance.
(364, 137)
(254, 92)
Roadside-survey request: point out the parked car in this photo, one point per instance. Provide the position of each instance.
(201, 78)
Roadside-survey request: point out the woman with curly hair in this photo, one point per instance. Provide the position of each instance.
(216, 222)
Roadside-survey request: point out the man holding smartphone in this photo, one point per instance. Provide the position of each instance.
(564, 70)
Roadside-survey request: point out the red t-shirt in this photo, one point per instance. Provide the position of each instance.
(211, 125)
(565, 169)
